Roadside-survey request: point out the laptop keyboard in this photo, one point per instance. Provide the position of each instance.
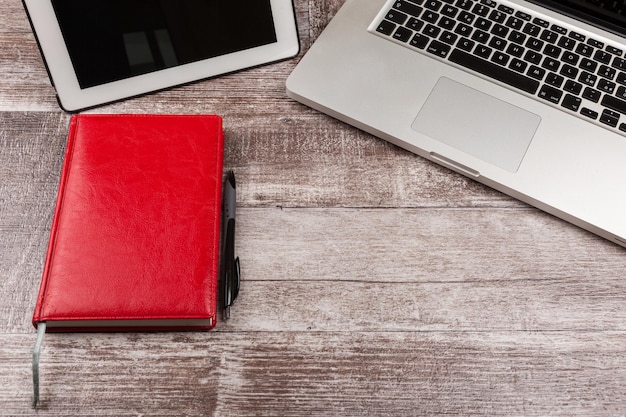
(532, 54)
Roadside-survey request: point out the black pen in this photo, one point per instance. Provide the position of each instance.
(231, 271)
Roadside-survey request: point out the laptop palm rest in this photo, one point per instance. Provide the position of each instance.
(476, 123)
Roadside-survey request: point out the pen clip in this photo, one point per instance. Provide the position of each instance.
(231, 286)
(236, 281)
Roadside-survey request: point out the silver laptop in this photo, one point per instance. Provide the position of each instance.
(528, 97)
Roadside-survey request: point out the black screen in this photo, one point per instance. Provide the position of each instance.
(110, 40)
(608, 14)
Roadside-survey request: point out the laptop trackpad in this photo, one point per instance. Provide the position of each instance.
(476, 123)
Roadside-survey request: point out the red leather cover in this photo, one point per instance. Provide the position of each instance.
(135, 235)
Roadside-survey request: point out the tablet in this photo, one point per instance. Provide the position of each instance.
(100, 51)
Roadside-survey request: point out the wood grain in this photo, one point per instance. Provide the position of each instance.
(322, 373)
(374, 282)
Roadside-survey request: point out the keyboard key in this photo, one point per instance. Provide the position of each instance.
(464, 4)
(541, 22)
(571, 102)
(515, 50)
(386, 27)
(483, 51)
(531, 30)
(573, 87)
(415, 24)
(609, 118)
(558, 29)
(500, 58)
(534, 44)
(554, 80)
(518, 65)
(497, 72)
(621, 78)
(533, 57)
(515, 23)
(613, 50)
(584, 49)
(430, 16)
(448, 37)
(595, 43)
(463, 30)
(588, 65)
(566, 43)
(577, 36)
(536, 72)
(480, 36)
(447, 23)
(396, 17)
(433, 4)
(419, 41)
(481, 10)
(551, 94)
(497, 43)
(517, 37)
(465, 44)
(592, 94)
(589, 113)
(619, 63)
(402, 34)
(553, 51)
(482, 23)
(449, 11)
(603, 57)
(408, 8)
(606, 86)
(523, 16)
(622, 127)
(588, 78)
(621, 92)
(551, 64)
(549, 36)
(614, 103)
(570, 57)
(432, 31)
(439, 49)
(569, 71)
(606, 72)
(466, 18)
(497, 16)
(499, 30)
(505, 9)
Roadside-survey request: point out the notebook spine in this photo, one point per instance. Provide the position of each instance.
(38, 315)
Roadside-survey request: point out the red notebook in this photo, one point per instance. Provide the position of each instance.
(135, 237)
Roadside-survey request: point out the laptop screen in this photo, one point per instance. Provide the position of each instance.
(607, 14)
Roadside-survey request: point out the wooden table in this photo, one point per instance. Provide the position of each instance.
(375, 283)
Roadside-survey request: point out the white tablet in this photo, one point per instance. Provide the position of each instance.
(99, 51)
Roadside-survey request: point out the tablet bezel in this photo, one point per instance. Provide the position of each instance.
(72, 98)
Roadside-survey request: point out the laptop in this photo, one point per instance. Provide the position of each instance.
(527, 97)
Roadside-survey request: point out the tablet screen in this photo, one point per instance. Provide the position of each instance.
(111, 40)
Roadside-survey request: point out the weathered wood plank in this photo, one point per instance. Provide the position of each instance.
(14, 18)
(320, 374)
(422, 269)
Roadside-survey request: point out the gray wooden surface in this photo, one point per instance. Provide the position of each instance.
(374, 283)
